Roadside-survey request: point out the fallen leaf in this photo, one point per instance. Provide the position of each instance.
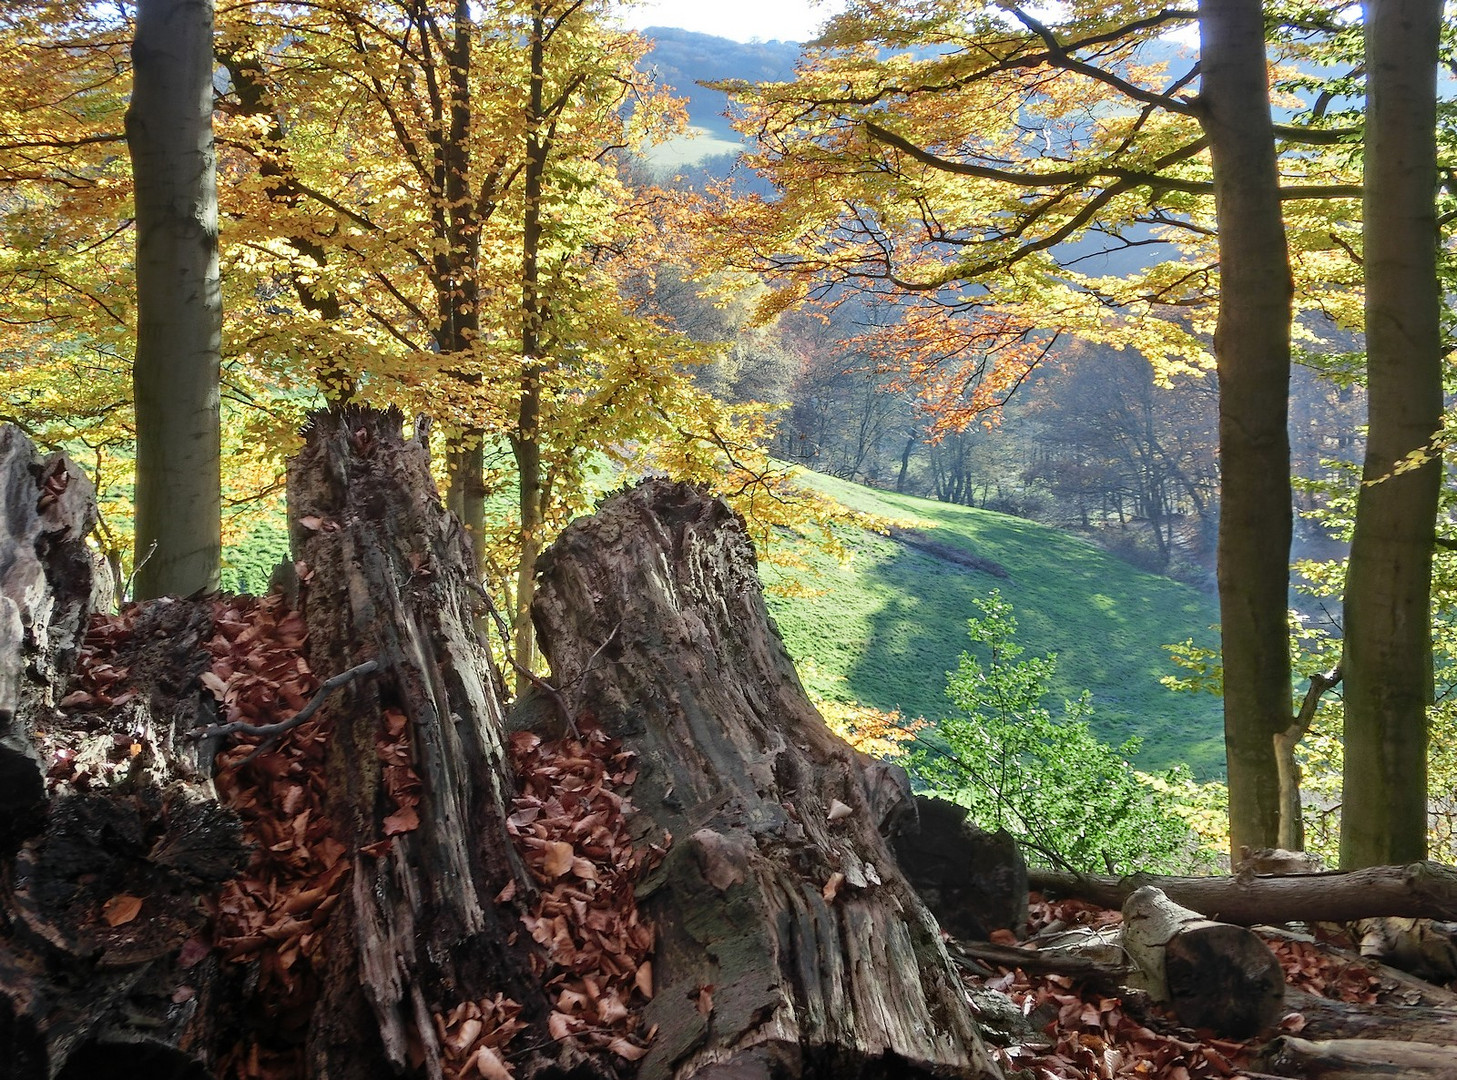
(121, 909)
(624, 1049)
(402, 820)
(558, 858)
(507, 893)
(832, 887)
(312, 522)
(644, 979)
(489, 1064)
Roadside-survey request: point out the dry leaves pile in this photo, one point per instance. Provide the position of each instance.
(72, 759)
(474, 1036)
(1310, 969)
(570, 823)
(275, 910)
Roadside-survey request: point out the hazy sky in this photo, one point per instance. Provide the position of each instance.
(742, 20)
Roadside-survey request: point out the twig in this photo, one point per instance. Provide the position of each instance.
(126, 590)
(552, 692)
(239, 727)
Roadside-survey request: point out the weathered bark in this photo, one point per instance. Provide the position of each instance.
(1252, 350)
(973, 881)
(179, 300)
(45, 597)
(1292, 819)
(779, 891)
(1388, 642)
(1213, 975)
(389, 577)
(1359, 1059)
(1327, 1019)
(1420, 890)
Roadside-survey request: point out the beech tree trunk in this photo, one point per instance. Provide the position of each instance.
(179, 300)
(1252, 350)
(1388, 642)
(779, 896)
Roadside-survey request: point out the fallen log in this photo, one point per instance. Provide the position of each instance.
(789, 942)
(1213, 975)
(1417, 890)
(1359, 1059)
(1327, 1019)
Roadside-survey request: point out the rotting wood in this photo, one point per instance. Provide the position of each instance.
(1327, 1019)
(821, 959)
(385, 577)
(46, 592)
(1417, 890)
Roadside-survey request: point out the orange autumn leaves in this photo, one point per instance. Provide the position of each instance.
(570, 823)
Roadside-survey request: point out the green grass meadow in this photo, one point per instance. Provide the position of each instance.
(885, 627)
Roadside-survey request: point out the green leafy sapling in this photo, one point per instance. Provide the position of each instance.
(1069, 799)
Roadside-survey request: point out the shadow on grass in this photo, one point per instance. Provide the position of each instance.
(1106, 621)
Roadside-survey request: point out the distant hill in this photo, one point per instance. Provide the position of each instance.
(884, 629)
(683, 59)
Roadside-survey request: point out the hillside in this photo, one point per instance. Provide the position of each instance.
(884, 629)
(682, 59)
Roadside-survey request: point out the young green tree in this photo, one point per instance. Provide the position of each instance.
(1069, 799)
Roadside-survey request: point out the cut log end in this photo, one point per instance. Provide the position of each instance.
(1213, 975)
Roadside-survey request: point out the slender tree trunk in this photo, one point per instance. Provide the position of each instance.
(1252, 346)
(1388, 586)
(526, 441)
(179, 301)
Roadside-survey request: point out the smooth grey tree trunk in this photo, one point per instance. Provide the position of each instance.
(1252, 347)
(1388, 585)
(179, 303)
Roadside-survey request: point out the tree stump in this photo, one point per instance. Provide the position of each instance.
(45, 599)
(386, 575)
(973, 881)
(789, 942)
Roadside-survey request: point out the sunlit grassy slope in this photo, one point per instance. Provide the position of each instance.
(885, 627)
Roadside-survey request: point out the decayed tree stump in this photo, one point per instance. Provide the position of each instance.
(99, 880)
(789, 943)
(45, 598)
(973, 881)
(385, 576)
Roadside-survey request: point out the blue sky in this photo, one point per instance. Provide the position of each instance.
(741, 20)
